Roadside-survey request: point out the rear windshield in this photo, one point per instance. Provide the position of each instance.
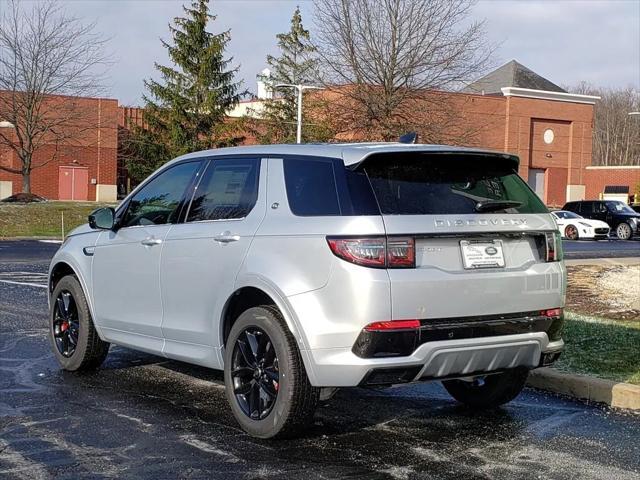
(435, 184)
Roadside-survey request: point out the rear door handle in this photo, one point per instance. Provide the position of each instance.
(150, 241)
(226, 237)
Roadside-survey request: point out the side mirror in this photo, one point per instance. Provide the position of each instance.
(102, 218)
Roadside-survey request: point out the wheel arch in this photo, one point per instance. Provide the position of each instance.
(256, 292)
(248, 296)
(62, 267)
(58, 272)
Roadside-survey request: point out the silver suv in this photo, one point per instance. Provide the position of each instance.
(301, 269)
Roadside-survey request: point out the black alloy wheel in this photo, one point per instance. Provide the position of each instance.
(571, 232)
(66, 324)
(255, 373)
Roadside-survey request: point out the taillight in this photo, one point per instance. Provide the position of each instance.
(401, 252)
(552, 249)
(393, 325)
(369, 252)
(380, 252)
(551, 312)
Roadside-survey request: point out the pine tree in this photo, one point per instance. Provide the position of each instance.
(296, 64)
(186, 110)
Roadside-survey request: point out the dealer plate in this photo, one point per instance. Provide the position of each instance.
(482, 254)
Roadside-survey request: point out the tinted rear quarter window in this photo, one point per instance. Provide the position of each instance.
(324, 187)
(311, 187)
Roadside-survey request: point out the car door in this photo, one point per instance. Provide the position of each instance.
(599, 211)
(126, 262)
(202, 256)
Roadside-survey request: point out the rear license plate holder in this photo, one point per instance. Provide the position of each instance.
(477, 254)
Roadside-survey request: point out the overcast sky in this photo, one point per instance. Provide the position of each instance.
(564, 41)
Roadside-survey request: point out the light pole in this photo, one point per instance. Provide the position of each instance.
(299, 88)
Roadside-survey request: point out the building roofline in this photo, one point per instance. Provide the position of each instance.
(546, 95)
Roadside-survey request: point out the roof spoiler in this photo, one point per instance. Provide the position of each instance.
(410, 137)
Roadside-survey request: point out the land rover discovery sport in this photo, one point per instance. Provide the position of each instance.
(298, 269)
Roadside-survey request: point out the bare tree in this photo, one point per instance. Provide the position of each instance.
(616, 134)
(47, 58)
(385, 54)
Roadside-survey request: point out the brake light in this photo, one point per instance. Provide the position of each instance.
(551, 312)
(380, 252)
(393, 325)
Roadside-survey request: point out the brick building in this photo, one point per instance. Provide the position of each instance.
(82, 166)
(597, 178)
(511, 109)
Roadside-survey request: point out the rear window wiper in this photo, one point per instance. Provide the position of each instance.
(493, 205)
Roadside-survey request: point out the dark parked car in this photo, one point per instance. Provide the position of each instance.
(636, 207)
(621, 217)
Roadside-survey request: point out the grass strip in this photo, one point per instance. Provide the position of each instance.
(43, 219)
(600, 347)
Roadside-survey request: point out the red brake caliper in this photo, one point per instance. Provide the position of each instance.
(64, 327)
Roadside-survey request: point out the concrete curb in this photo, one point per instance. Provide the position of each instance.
(583, 387)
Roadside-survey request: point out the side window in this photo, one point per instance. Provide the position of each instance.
(311, 187)
(228, 189)
(157, 202)
(599, 207)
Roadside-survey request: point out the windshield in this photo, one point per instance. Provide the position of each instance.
(428, 184)
(564, 214)
(619, 207)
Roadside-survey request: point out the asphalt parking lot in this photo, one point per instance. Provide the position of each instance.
(142, 416)
(613, 248)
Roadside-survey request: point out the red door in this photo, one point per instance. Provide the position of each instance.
(73, 183)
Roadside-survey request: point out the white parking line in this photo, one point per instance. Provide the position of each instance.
(24, 283)
(28, 279)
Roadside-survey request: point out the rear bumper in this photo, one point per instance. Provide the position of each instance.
(397, 343)
(340, 367)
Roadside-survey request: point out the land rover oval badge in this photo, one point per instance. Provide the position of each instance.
(491, 250)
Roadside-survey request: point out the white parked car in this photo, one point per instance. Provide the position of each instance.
(572, 226)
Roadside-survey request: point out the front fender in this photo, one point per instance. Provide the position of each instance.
(72, 254)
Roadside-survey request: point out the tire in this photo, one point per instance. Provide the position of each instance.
(295, 401)
(571, 232)
(70, 318)
(496, 389)
(624, 231)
